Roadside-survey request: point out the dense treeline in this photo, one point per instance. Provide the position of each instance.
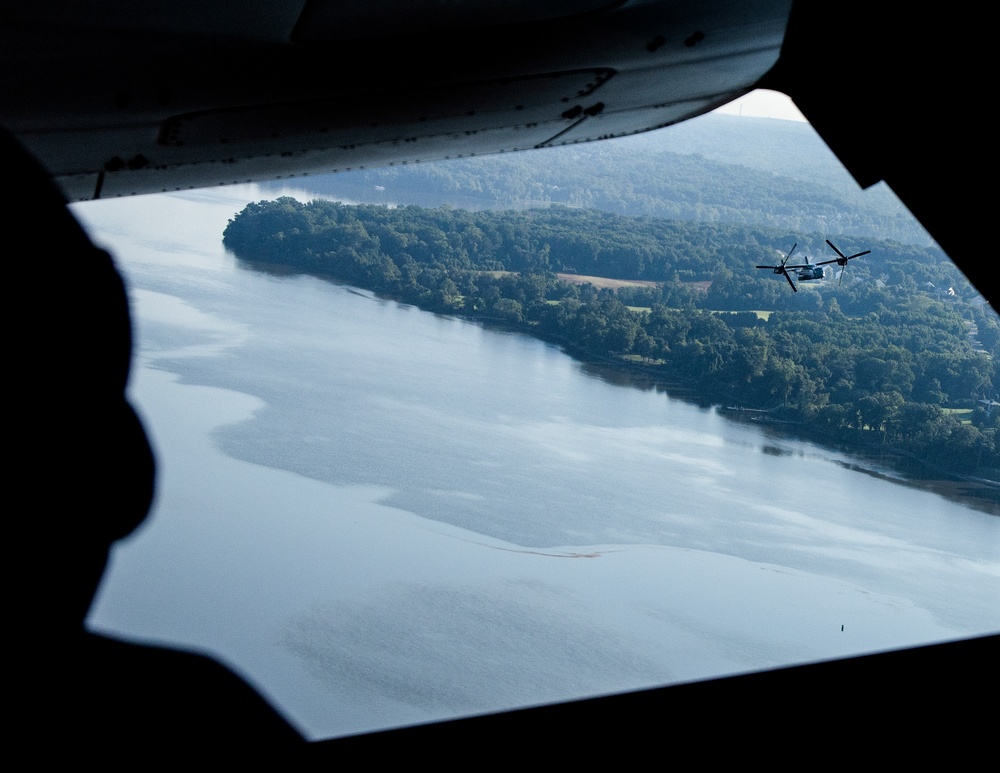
(884, 355)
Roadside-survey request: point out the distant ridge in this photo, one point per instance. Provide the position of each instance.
(717, 168)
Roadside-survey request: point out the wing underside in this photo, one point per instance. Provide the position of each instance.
(154, 98)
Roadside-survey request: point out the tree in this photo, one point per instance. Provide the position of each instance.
(878, 409)
(508, 310)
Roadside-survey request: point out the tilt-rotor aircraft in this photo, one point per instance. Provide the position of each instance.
(809, 272)
(113, 98)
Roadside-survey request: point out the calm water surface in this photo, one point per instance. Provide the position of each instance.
(383, 516)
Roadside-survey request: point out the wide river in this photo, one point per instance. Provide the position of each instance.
(381, 516)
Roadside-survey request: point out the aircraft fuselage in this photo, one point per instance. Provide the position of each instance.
(808, 273)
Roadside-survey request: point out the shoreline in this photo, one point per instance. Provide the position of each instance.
(984, 494)
(978, 493)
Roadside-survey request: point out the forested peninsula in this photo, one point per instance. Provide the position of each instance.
(897, 356)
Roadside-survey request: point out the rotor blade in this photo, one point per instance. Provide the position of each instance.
(857, 255)
(834, 248)
(794, 288)
(842, 275)
(790, 252)
(768, 266)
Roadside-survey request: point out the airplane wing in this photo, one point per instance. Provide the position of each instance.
(117, 98)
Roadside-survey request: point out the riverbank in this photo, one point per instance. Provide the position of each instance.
(878, 459)
(874, 455)
(864, 361)
(887, 461)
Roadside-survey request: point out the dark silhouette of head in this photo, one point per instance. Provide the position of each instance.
(84, 466)
(84, 478)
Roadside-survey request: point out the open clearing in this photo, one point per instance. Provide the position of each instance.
(600, 282)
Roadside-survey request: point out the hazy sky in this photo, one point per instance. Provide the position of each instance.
(765, 104)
